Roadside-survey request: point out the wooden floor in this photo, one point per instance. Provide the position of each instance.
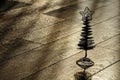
(39, 40)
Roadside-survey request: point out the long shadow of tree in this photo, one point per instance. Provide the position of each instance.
(47, 52)
(17, 41)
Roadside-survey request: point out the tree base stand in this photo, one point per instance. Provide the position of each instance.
(82, 76)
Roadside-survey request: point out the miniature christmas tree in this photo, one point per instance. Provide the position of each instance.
(86, 43)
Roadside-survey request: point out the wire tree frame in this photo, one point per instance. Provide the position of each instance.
(86, 42)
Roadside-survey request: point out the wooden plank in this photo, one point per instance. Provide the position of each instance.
(20, 21)
(40, 58)
(36, 59)
(59, 4)
(36, 8)
(36, 23)
(111, 73)
(20, 28)
(66, 69)
(112, 43)
(73, 24)
(15, 47)
(72, 9)
(106, 29)
(47, 55)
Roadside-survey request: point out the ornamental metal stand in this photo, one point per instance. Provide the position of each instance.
(86, 43)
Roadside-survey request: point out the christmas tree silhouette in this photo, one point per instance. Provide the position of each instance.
(86, 42)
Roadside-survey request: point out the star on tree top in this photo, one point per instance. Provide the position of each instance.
(87, 13)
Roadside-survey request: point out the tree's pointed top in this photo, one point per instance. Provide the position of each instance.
(87, 13)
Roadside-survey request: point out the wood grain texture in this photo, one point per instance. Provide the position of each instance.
(44, 56)
(39, 43)
(66, 69)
